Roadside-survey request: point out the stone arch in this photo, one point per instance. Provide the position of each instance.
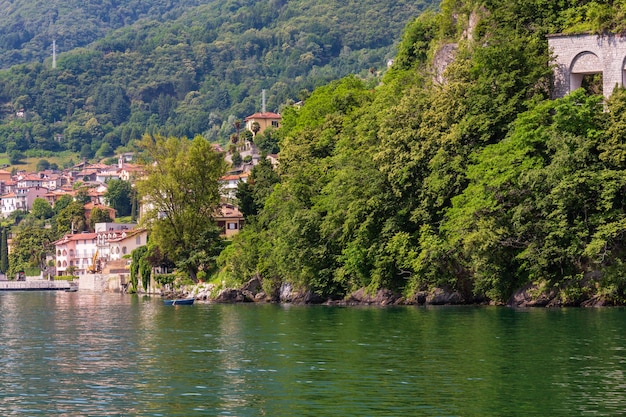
(575, 56)
(584, 63)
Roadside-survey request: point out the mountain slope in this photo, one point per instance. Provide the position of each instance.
(194, 74)
(27, 27)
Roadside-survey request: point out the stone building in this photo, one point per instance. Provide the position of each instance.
(578, 55)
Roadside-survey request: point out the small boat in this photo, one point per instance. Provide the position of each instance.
(179, 302)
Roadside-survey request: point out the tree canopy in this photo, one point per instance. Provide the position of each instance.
(467, 178)
(118, 195)
(177, 68)
(181, 196)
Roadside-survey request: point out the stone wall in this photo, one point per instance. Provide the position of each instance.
(100, 282)
(578, 55)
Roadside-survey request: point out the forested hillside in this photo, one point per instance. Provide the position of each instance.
(469, 180)
(27, 27)
(176, 67)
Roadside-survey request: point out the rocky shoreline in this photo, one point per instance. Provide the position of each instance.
(252, 292)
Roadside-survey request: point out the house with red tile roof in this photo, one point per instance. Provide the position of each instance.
(264, 119)
(129, 172)
(125, 242)
(229, 184)
(76, 250)
(229, 219)
(8, 204)
(20, 199)
(5, 175)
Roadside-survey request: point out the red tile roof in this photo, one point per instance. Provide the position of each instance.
(266, 115)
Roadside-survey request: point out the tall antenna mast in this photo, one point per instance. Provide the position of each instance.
(263, 101)
(54, 54)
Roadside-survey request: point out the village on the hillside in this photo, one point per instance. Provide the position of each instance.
(105, 250)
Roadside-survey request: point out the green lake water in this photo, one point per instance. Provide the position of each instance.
(89, 354)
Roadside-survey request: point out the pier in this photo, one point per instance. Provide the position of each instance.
(36, 285)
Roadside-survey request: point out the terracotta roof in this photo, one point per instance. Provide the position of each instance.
(93, 192)
(234, 176)
(130, 168)
(128, 233)
(98, 166)
(261, 115)
(76, 236)
(228, 211)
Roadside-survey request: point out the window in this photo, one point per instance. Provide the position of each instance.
(232, 226)
(138, 240)
(274, 123)
(123, 250)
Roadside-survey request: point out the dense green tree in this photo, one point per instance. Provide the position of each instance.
(267, 141)
(4, 251)
(119, 195)
(42, 165)
(181, 192)
(82, 194)
(140, 269)
(41, 209)
(16, 157)
(134, 204)
(469, 179)
(62, 203)
(98, 215)
(236, 159)
(71, 219)
(29, 248)
(251, 195)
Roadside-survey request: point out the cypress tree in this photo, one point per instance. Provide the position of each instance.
(4, 252)
(133, 207)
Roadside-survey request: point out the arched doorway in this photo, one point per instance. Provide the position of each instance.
(586, 71)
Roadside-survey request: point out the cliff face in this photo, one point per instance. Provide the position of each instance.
(446, 53)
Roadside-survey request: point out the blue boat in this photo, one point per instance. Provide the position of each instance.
(179, 302)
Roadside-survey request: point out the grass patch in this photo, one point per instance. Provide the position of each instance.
(29, 163)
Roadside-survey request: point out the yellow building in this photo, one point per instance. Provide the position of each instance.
(264, 120)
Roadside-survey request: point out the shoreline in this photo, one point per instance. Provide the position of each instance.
(532, 295)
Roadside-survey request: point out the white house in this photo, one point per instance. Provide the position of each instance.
(75, 250)
(8, 203)
(229, 184)
(126, 242)
(109, 231)
(110, 241)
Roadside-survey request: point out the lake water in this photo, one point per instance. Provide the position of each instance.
(89, 354)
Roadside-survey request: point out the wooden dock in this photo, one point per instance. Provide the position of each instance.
(36, 285)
